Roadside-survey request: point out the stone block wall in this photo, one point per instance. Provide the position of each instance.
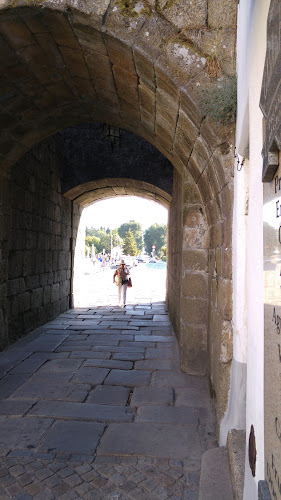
(220, 335)
(5, 217)
(194, 294)
(35, 244)
(200, 265)
(174, 246)
(78, 249)
(188, 273)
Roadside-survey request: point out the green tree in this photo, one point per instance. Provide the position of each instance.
(93, 241)
(100, 238)
(116, 239)
(129, 245)
(155, 235)
(136, 230)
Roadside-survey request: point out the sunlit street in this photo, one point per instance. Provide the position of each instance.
(95, 287)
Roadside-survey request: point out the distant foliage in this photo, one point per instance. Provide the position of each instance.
(219, 100)
(156, 235)
(101, 239)
(136, 230)
(129, 245)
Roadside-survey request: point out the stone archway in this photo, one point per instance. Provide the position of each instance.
(86, 194)
(139, 71)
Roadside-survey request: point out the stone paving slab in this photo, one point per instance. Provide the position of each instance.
(82, 411)
(90, 314)
(129, 378)
(134, 313)
(90, 343)
(56, 376)
(150, 439)
(84, 328)
(109, 363)
(155, 338)
(90, 375)
(52, 390)
(73, 437)
(126, 333)
(44, 345)
(10, 359)
(106, 394)
(56, 326)
(130, 348)
(130, 356)
(60, 365)
(152, 396)
(120, 326)
(78, 322)
(107, 339)
(159, 352)
(26, 432)
(168, 415)
(53, 339)
(75, 337)
(141, 322)
(10, 383)
(161, 317)
(26, 366)
(45, 356)
(116, 317)
(90, 354)
(165, 329)
(174, 379)
(142, 330)
(146, 343)
(155, 364)
(15, 408)
(70, 348)
(191, 397)
(110, 336)
(56, 331)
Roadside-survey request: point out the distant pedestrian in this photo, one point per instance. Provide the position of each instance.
(103, 263)
(123, 276)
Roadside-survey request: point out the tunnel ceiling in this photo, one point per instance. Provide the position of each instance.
(96, 151)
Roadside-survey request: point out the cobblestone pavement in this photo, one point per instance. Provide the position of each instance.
(94, 406)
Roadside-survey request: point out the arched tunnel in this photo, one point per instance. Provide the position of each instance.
(93, 106)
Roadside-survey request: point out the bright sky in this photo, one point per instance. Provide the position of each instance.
(115, 211)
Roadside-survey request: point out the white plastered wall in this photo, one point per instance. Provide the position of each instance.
(246, 402)
(235, 416)
(255, 297)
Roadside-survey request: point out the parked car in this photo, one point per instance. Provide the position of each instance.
(142, 258)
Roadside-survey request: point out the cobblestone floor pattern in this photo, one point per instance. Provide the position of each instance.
(93, 405)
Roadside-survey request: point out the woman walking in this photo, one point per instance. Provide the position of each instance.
(122, 274)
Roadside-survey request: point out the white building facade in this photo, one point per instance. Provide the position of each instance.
(256, 168)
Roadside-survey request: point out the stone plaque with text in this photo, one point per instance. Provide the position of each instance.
(272, 333)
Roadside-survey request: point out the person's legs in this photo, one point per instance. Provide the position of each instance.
(124, 293)
(119, 294)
